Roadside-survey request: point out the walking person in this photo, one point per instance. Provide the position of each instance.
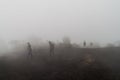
(52, 48)
(30, 55)
(91, 44)
(84, 43)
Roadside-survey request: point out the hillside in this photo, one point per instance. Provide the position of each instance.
(66, 64)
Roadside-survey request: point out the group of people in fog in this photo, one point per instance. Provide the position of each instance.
(51, 48)
(30, 51)
(85, 44)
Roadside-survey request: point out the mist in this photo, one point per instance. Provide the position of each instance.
(59, 40)
(51, 20)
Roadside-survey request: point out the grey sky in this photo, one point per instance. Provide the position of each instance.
(92, 20)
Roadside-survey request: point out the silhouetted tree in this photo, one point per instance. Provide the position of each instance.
(67, 41)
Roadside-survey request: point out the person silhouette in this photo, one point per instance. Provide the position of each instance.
(91, 44)
(29, 50)
(52, 47)
(84, 43)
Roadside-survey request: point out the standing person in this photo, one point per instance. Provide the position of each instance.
(84, 43)
(52, 47)
(91, 44)
(29, 50)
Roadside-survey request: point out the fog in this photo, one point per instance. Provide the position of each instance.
(69, 61)
(59, 39)
(89, 20)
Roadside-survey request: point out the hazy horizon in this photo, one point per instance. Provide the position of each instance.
(90, 20)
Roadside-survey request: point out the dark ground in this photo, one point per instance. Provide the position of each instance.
(66, 64)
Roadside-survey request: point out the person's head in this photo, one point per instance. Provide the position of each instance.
(50, 42)
(28, 43)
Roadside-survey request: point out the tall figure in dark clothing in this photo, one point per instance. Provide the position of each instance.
(29, 50)
(84, 43)
(52, 48)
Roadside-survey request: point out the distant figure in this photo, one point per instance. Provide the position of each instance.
(52, 47)
(91, 44)
(29, 50)
(84, 43)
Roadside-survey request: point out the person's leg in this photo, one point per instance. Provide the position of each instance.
(53, 51)
(30, 55)
(50, 52)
